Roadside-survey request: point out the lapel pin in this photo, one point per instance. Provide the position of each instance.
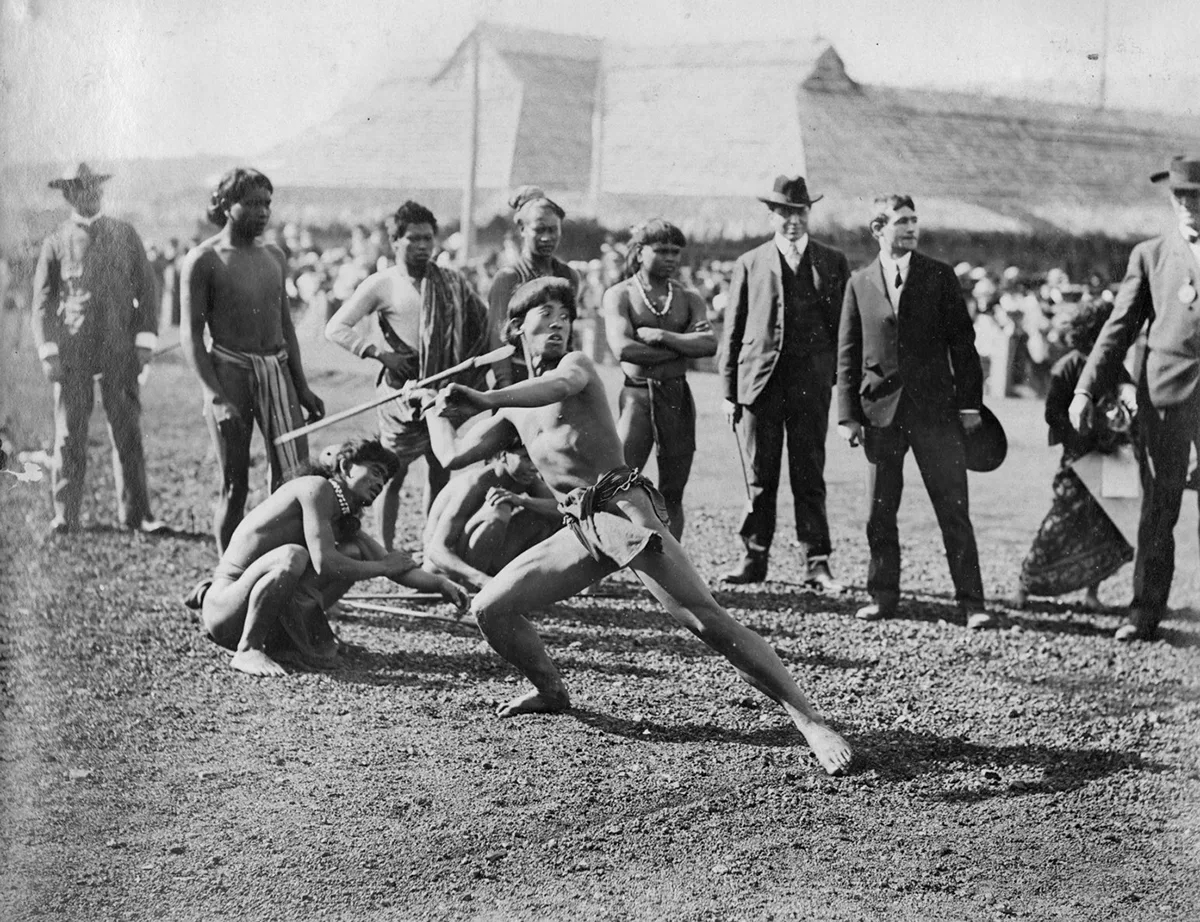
(1187, 293)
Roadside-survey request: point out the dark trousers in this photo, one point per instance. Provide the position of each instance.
(793, 406)
(74, 397)
(938, 447)
(1167, 436)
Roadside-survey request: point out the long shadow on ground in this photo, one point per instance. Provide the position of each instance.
(899, 755)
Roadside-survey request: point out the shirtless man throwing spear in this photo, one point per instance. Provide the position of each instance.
(617, 518)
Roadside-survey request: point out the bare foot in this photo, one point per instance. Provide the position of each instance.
(255, 662)
(831, 750)
(535, 702)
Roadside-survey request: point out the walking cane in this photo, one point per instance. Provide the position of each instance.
(742, 458)
(488, 358)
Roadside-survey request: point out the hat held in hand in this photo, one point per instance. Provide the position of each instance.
(987, 446)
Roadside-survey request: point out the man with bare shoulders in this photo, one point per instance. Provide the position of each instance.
(429, 319)
(296, 554)
(654, 326)
(485, 518)
(233, 284)
(617, 519)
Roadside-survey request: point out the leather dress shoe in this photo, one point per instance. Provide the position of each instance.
(820, 577)
(752, 570)
(1139, 625)
(980, 619)
(876, 611)
(60, 527)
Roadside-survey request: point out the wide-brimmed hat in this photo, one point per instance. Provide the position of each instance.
(1183, 172)
(987, 446)
(82, 175)
(789, 192)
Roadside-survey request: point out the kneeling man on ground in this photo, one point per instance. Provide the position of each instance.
(295, 555)
(484, 518)
(617, 518)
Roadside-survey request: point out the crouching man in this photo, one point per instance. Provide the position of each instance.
(616, 517)
(296, 554)
(484, 518)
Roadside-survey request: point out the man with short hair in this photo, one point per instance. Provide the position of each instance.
(1161, 295)
(429, 319)
(778, 368)
(909, 377)
(95, 316)
(296, 554)
(234, 285)
(616, 517)
(654, 327)
(486, 517)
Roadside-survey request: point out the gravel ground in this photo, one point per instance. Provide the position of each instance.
(1038, 772)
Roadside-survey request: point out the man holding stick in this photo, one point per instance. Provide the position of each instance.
(233, 284)
(429, 319)
(616, 517)
(295, 555)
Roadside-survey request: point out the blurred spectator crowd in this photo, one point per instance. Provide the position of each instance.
(1018, 315)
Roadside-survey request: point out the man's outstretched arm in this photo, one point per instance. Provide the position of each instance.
(568, 379)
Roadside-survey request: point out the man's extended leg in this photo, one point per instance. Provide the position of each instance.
(674, 582)
(243, 614)
(407, 441)
(553, 570)
(673, 473)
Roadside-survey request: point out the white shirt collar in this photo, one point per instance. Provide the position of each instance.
(901, 263)
(784, 245)
(86, 222)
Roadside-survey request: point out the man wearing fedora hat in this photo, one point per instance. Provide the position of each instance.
(778, 369)
(95, 316)
(909, 377)
(1161, 294)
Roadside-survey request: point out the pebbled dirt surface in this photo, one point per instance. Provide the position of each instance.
(1038, 772)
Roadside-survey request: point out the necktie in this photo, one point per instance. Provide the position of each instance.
(793, 256)
(899, 280)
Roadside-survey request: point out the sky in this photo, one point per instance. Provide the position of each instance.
(101, 79)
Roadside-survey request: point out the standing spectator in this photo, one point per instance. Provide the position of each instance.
(654, 326)
(539, 222)
(778, 368)
(429, 319)
(94, 316)
(233, 286)
(1160, 293)
(909, 377)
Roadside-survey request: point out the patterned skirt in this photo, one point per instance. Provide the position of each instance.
(1077, 544)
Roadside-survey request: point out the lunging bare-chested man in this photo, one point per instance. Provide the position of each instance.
(233, 284)
(617, 518)
(296, 554)
(484, 518)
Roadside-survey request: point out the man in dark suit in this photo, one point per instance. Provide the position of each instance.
(909, 377)
(95, 316)
(1161, 292)
(778, 369)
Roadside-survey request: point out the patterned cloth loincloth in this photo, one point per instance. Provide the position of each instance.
(610, 536)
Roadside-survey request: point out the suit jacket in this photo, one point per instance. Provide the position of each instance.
(755, 316)
(926, 349)
(93, 295)
(1161, 273)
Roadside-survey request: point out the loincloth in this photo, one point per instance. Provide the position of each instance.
(610, 536)
(672, 413)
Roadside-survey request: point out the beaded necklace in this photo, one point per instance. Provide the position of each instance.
(666, 308)
(343, 503)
